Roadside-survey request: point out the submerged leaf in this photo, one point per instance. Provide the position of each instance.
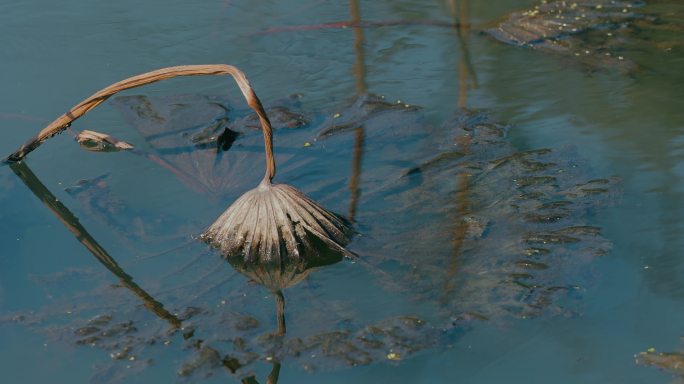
(672, 362)
(564, 28)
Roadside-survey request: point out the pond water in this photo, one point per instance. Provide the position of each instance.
(373, 128)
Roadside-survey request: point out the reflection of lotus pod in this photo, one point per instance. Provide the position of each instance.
(278, 223)
(276, 276)
(273, 276)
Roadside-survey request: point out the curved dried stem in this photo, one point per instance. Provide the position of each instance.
(62, 122)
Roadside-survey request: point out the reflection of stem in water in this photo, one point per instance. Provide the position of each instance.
(280, 312)
(356, 172)
(271, 379)
(462, 85)
(273, 376)
(359, 64)
(359, 70)
(280, 318)
(462, 210)
(74, 226)
(462, 195)
(466, 72)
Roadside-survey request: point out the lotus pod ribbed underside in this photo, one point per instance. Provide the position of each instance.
(278, 223)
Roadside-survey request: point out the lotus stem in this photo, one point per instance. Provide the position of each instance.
(64, 121)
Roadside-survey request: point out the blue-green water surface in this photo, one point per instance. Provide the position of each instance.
(627, 125)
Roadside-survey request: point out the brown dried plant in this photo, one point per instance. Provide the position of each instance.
(272, 223)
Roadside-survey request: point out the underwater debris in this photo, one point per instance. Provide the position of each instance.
(101, 142)
(672, 362)
(565, 28)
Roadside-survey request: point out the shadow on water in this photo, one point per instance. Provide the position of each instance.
(74, 226)
(359, 71)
